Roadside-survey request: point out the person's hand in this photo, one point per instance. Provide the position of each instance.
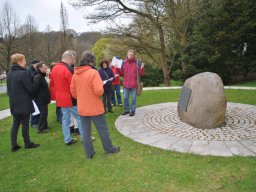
(142, 65)
(116, 75)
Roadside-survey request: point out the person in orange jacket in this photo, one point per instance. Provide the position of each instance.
(87, 88)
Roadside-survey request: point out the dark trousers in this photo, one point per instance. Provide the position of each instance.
(101, 125)
(42, 123)
(17, 120)
(58, 114)
(107, 100)
(34, 119)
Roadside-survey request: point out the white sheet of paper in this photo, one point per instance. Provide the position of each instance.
(104, 82)
(36, 109)
(116, 62)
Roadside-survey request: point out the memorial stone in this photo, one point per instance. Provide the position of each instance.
(207, 103)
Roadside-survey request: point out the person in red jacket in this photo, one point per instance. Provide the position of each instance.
(61, 79)
(53, 96)
(116, 91)
(129, 71)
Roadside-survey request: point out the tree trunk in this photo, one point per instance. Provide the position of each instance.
(166, 72)
(183, 43)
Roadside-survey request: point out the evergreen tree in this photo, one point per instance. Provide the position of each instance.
(223, 39)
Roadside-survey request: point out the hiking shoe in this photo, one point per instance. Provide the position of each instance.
(113, 150)
(120, 105)
(15, 148)
(71, 142)
(125, 113)
(132, 114)
(32, 145)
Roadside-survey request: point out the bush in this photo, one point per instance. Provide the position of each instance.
(177, 75)
(153, 76)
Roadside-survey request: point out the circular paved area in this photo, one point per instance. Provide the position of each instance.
(159, 126)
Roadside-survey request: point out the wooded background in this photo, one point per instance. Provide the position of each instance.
(176, 39)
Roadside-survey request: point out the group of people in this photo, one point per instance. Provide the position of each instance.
(82, 91)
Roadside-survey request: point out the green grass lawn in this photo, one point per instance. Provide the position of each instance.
(2, 82)
(138, 167)
(4, 101)
(247, 84)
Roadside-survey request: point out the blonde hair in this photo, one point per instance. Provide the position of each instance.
(15, 58)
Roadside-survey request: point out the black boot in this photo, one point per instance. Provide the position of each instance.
(32, 145)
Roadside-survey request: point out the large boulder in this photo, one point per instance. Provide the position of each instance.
(207, 103)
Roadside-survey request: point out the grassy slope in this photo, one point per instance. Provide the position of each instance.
(56, 167)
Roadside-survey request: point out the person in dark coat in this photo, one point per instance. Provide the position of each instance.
(107, 76)
(20, 90)
(32, 72)
(42, 98)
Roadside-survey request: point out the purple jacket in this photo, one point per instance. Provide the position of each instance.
(129, 72)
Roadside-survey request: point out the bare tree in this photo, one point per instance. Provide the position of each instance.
(30, 29)
(151, 11)
(8, 30)
(64, 27)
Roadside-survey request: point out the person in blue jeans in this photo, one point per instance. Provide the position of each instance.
(61, 79)
(116, 94)
(130, 70)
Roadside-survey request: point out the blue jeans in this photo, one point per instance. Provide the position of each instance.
(127, 92)
(118, 95)
(66, 114)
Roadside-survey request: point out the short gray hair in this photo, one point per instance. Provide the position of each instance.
(69, 53)
(87, 58)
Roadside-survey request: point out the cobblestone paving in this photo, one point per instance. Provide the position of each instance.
(159, 125)
(240, 124)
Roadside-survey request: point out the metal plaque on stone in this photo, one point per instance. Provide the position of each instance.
(184, 98)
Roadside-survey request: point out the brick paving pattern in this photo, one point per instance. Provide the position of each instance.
(240, 124)
(159, 126)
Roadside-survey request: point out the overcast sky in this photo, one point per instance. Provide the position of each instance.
(48, 12)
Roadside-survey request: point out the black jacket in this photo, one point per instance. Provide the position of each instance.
(106, 74)
(42, 95)
(31, 72)
(71, 69)
(20, 90)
